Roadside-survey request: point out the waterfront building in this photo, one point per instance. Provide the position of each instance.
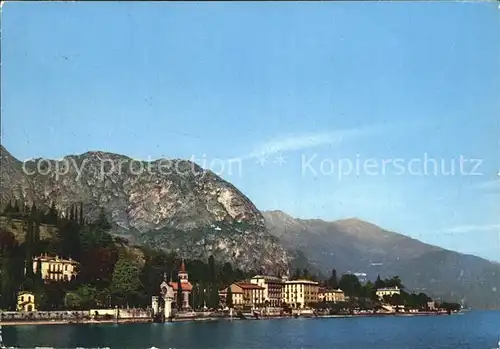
(186, 286)
(273, 289)
(330, 295)
(25, 301)
(162, 305)
(244, 294)
(56, 268)
(387, 291)
(300, 293)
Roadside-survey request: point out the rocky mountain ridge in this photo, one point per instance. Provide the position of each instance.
(170, 203)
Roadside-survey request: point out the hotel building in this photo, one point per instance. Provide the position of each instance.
(273, 289)
(244, 294)
(300, 293)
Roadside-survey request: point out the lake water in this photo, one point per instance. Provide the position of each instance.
(474, 330)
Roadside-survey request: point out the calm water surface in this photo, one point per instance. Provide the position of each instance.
(475, 330)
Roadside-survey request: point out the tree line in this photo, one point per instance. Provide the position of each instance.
(110, 272)
(363, 295)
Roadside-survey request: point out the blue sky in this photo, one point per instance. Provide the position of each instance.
(303, 86)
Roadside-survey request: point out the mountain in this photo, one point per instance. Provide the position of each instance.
(171, 204)
(352, 245)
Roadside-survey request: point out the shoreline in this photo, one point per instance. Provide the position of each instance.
(73, 322)
(202, 319)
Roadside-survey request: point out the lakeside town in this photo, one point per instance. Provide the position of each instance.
(81, 273)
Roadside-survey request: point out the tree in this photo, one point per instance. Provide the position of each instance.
(8, 208)
(52, 215)
(229, 297)
(450, 307)
(28, 246)
(81, 221)
(333, 281)
(379, 283)
(213, 299)
(369, 291)
(394, 282)
(126, 284)
(296, 274)
(102, 222)
(211, 268)
(38, 276)
(16, 208)
(82, 298)
(396, 299)
(72, 213)
(350, 284)
(227, 274)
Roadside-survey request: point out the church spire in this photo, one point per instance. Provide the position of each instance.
(183, 266)
(183, 275)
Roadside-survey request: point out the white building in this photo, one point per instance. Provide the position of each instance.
(387, 291)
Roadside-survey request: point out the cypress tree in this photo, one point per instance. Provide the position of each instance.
(77, 217)
(38, 274)
(229, 297)
(8, 208)
(211, 267)
(72, 213)
(333, 281)
(52, 215)
(16, 207)
(28, 241)
(379, 283)
(82, 223)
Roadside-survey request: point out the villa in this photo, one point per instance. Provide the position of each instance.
(387, 291)
(56, 268)
(25, 301)
(330, 295)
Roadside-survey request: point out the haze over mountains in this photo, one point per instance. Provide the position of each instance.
(196, 213)
(352, 245)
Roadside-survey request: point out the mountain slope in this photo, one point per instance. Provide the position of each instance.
(169, 203)
(353, 245)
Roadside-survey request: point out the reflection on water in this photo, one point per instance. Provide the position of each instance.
(472, 330)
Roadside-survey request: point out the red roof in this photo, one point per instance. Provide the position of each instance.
(185, 286)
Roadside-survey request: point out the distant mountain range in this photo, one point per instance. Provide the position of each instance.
(195, 213)
(352, 245)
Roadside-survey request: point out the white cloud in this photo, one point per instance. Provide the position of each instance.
(475, 228)
(310, 140)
